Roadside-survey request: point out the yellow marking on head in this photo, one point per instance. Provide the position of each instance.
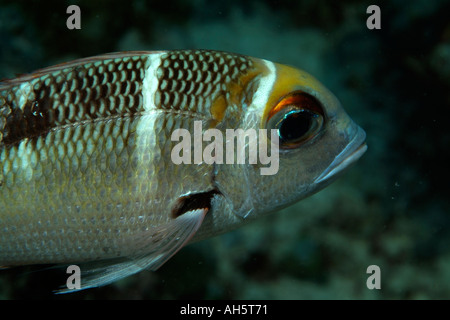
(218, 109)
(290, 79)
(235, 93)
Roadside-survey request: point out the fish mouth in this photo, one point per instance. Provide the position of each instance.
(349, 155)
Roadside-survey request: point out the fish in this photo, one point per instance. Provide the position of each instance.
(86, 152)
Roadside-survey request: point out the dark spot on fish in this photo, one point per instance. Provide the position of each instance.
(193, 202)
(63, 95)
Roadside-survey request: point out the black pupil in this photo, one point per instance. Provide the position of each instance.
(295, 125)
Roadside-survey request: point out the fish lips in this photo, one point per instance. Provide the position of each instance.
(348, 156)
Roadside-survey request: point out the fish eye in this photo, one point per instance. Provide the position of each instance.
(298, 117)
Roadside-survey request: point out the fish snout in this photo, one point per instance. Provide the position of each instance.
(349, 154)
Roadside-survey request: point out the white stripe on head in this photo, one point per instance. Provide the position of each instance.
(265, 88)
(255, 110)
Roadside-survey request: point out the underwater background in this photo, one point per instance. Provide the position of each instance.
(392, 209)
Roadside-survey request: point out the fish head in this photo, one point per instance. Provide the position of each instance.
(317, 141)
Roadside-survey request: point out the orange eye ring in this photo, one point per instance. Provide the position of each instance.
(301, 100)
(298, 117)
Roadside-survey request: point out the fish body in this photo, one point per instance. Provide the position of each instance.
(86, 153)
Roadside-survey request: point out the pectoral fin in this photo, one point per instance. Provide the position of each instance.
(159, 245)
